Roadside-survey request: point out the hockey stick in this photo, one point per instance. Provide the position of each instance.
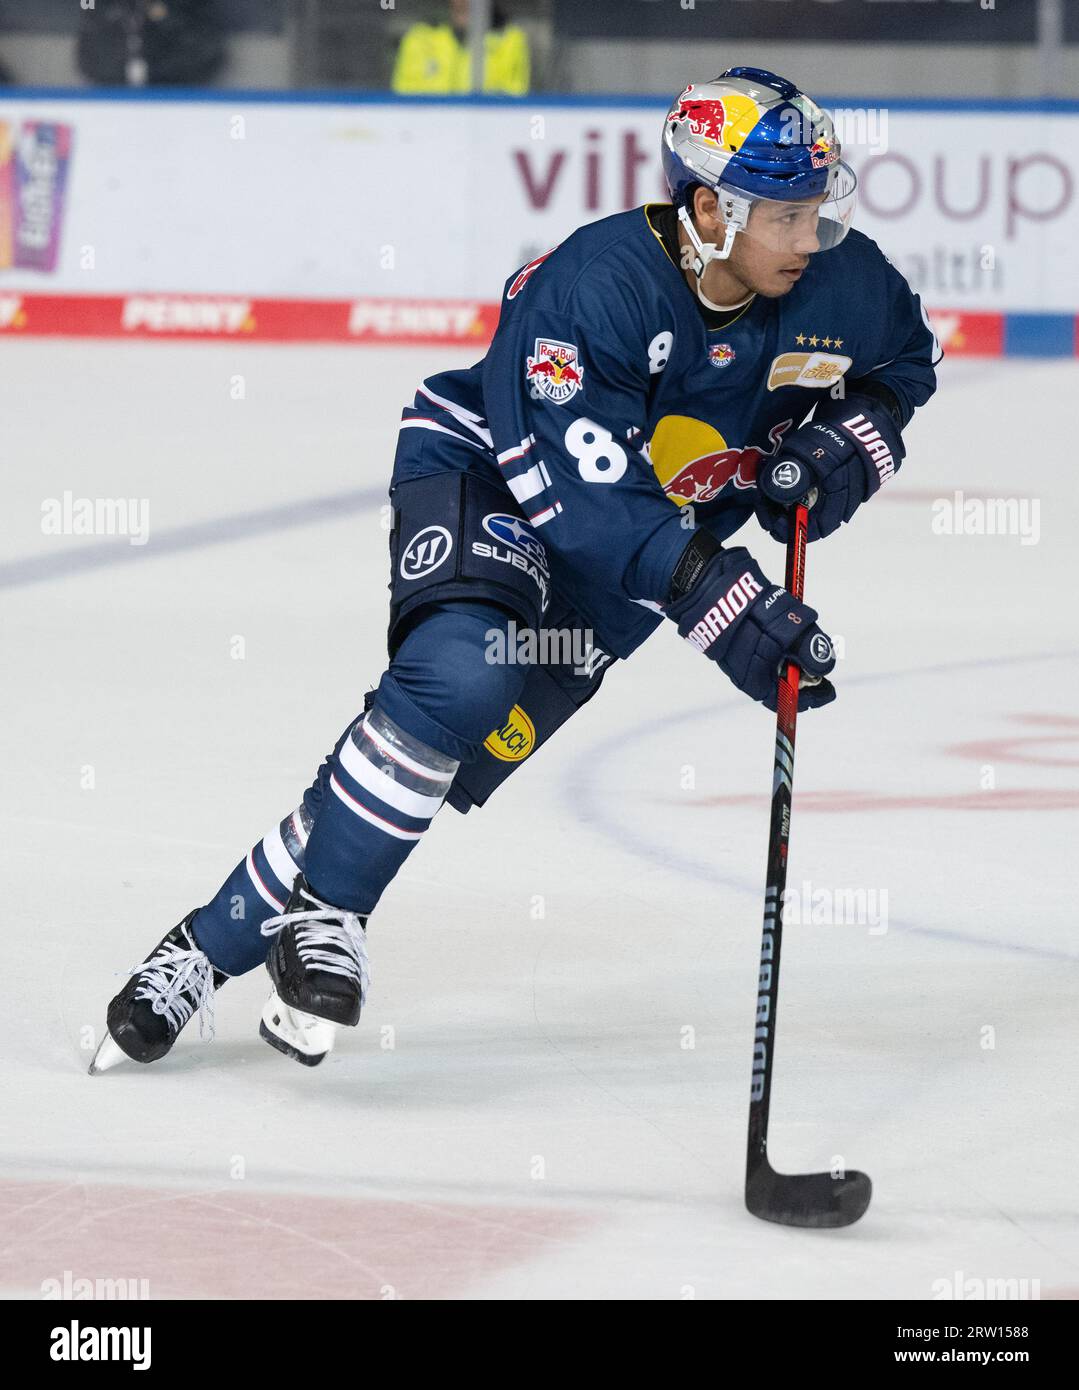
(792, 1199)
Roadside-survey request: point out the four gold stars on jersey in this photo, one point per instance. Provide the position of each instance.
(814, 341)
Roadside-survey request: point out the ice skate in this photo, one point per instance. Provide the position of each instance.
(318, 964)
(145, 1018)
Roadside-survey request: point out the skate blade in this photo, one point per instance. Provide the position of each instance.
(108, 1055)
(301, 1036)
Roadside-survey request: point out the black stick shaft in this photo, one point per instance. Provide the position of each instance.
(776, 878)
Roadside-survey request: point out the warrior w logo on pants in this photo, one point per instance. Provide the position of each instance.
(426, 550)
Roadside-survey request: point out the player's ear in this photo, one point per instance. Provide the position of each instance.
(706, 209)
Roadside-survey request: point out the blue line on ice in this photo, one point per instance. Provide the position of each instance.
(196, 535)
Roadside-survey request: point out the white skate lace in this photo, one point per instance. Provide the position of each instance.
(177, 983)
(333, 928)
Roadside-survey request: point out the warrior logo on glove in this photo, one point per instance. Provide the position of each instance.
(786, 476)
(751, 628)
(845, 456)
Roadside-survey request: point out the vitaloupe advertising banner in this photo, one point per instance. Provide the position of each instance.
(172, 201)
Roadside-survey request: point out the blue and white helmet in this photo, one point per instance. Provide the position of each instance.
(749, 135)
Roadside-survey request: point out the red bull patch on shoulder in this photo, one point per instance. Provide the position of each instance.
(554, 371)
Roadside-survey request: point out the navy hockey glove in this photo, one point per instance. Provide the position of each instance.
(725, 607)
(845, 452)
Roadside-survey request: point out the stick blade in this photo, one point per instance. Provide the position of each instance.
(813, 1200)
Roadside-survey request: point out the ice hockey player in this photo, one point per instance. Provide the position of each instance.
(646, 394)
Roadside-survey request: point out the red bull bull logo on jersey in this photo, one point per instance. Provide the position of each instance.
(721, 354)
(554, 371)
(694, 463)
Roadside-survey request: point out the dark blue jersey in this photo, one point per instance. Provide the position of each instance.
(618, 419)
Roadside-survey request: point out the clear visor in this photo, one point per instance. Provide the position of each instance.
(803, 228)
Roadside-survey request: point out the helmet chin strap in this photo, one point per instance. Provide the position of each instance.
(736, 213)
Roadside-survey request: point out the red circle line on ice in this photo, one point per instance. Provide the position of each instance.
(1012, 750)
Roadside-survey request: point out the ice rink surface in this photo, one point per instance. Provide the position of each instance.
(547, 1095)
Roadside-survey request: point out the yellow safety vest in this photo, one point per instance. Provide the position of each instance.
(432, 59)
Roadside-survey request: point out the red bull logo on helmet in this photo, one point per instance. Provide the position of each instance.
(694, 463)
(725, 121)
(554, 371)
(822, 153)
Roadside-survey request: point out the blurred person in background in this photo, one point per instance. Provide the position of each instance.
(138, 43)
(435, 58)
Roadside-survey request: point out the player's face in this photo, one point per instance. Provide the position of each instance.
(769, 256)
(773, 251)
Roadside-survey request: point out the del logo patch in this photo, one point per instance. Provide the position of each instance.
(515, 740)
(554, 372)
(807, 369)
